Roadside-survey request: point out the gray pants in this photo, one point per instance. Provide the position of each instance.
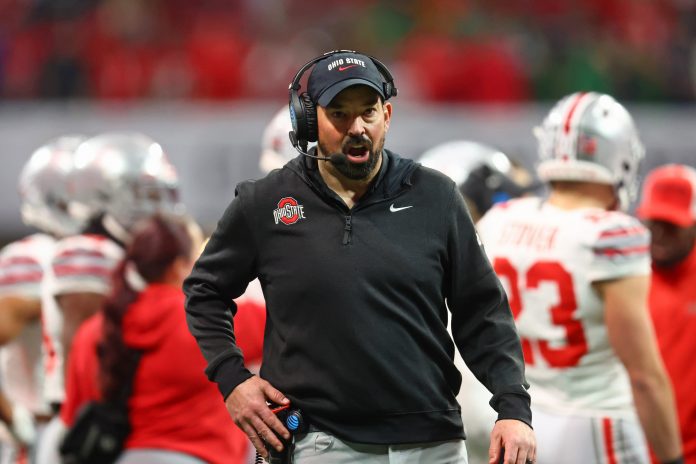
(156, 456)
(322, 448)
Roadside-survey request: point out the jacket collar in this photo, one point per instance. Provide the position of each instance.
(393, 177)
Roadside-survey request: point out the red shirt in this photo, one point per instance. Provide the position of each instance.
(673, 310)
(81, 383)
(173, 405)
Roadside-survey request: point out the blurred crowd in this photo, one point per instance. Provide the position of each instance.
(443, 50)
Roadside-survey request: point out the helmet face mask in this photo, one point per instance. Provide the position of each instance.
(590, 137)
(44, 187)
(126, 176)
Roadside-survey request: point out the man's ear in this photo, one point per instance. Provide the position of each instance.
(387, 107)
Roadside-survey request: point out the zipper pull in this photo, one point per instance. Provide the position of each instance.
(347, 230)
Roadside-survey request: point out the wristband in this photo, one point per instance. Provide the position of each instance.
(679, 460)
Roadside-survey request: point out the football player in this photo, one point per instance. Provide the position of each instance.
(576, 271)
(24, 273)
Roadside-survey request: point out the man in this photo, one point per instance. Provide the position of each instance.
(668, 209)
(359, 253)
(24, 273)
(576, 271)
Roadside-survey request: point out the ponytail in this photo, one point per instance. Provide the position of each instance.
(156, 244)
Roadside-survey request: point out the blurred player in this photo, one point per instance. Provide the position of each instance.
(118, 179)
(668, 209)
(576, 272)
(24, 273)
(276, 149)
(485, 176)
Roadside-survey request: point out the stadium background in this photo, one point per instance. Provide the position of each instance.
(203, 77)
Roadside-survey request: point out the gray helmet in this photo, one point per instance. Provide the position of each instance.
(591, 137)
(457, 159)
(124, 175)
(276, 148)
(484, 174)
(43, 187)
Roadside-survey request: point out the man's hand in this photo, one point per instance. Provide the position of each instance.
(518, 440)
(249, 410)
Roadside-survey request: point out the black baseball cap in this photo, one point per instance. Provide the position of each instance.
(340, 71)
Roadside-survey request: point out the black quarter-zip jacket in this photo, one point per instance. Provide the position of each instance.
(357, 302)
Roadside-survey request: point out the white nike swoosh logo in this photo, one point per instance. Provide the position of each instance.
(394, 209)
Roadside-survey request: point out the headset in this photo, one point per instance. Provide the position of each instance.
(303, 111)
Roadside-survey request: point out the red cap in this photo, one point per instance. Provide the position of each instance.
(669, 194)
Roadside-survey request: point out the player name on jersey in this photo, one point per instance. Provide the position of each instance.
(541, 238)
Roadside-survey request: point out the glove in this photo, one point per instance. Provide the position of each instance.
(23, 427)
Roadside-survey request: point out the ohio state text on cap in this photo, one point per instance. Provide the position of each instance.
(340, 71)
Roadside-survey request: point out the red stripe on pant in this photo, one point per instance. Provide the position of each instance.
(608, 432)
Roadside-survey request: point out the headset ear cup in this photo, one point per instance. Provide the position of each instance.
(310, 115)
(389, 89)
(297, 117)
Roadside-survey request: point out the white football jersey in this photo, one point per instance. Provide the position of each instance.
(23, 266)
(547, 259)
(81, 263)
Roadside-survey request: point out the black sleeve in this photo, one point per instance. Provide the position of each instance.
(482, 324)
(221, 274)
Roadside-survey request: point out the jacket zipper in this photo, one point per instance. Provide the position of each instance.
(347, 227)
(347, 230)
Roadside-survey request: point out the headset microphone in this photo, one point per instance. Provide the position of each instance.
(302, 149)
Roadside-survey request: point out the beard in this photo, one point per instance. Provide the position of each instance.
(356, 171)
(669, 254)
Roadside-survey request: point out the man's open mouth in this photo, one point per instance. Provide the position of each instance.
(357, 153)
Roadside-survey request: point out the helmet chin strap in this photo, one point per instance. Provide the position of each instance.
(115, 229)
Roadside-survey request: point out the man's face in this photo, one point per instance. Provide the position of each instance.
(669, 243)
(354, 125)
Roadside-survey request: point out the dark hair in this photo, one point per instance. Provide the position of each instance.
(155, 244)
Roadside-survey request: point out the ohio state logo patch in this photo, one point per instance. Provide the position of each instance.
(288, 211)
